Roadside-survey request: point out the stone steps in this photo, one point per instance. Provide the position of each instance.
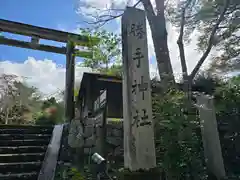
(24, 142)
(22, 150)
(26, 157)
(7, 168)
(22, 129)
(24, 136)
(25, 131)
(21, 176)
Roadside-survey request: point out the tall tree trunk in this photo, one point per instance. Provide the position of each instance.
(157, 24)
(162, 52)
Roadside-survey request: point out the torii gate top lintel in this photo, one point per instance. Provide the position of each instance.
(36, 33)
(44, 33)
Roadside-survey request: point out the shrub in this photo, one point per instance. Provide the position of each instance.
(69, 173)
(179, 150)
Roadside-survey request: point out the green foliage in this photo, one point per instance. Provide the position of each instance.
(227, 104)
(179, 151)
(48, 103)
(228, 99)
(16, 115)
(227, 39)
(207, 83)
(23, 104)
(76, 91)
(85, 41)
(83, 54)
(69, 173)
(235, 80)
(46, 118)
(115, 69)
(106, 54)
(75, 174)
(89, 41)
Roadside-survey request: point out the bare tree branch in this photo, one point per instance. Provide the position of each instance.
(135, 5)
(211, 41)
(103, 19)
(106, 16)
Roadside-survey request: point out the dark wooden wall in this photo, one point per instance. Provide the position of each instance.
(115, 104)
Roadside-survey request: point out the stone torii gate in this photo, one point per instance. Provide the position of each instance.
(36, 33)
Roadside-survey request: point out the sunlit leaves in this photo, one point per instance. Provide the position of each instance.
(83, 54)
(84, 40)
(52, 112)
(106, 55)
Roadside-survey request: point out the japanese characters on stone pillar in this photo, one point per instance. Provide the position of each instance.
(139, 147)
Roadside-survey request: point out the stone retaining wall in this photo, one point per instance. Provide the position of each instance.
(113, 145)
(114, 137)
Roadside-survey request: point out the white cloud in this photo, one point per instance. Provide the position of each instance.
(43, 74)
(95, 7)
(192, 55)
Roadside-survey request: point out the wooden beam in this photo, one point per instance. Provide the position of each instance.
(28, 45)
(110, 80)
(42, 47)
(45, 33)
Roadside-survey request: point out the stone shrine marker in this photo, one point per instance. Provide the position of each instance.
(210, 136)
(139, 145)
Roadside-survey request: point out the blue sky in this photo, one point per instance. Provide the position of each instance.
(55, 14)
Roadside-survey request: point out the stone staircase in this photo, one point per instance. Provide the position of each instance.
(22, 150)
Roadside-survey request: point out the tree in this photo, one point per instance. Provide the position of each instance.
(189, 15)
(52, 112)
(106, 54)
(217, 23)
(228, 37)
(205, 17)
(7, 88)
(17, 99)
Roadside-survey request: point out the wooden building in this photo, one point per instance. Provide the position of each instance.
(96, 89)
